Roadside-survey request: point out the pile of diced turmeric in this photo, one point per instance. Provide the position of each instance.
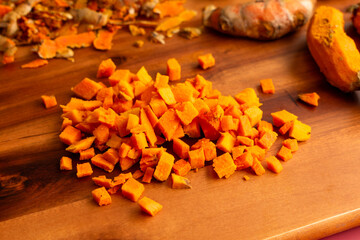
(124, 125)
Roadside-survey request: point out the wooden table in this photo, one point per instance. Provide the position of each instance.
(316, 195)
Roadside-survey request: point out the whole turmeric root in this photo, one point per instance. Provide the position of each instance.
(263, 20)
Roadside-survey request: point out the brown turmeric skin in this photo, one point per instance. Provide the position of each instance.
(263, 20)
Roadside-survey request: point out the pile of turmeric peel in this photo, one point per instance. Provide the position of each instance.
(124, 125)
(55, 28)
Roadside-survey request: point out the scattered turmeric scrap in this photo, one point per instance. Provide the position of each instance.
(35, 64)
(132, 189)
(139, 43)
(49, 101)
(284, 153)
(101, 196)
(103, 40)
(149, 206)
(310, 98)
(246, 177)
(274, 164)
(65, 163)
(179, 182)
(267, 86)
(83, 170)
(206, 61)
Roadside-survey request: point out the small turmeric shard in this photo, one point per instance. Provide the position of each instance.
(35, 64)
(173, 69)
(310, 98)
(65, 163)
(206, 61)
(149, 206)
(49, 101)
(101, 196)
(83, 170)
(179, 182)
(267, 86)
(132, 189)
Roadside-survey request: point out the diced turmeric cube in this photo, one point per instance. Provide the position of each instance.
(292, 144)
(164, 166)
(181, 167)
(167, 95)
(256, 151)
(65, 163)
(112, 156)
(237, 151)
(244, 141)
(244, 161)
(87, 88)
(192, 130)
(267, 86)
(101, 196)
(248, 96)
(81, 145)
(173, 69)
(206, 61)
(274, 164)
(281, 117)
(284, 153)
(310, 98)
(254, 114)
(143, 76)
(227, 123)
(149, 206)
(132, 189)
(186, 112)
(70, 135)
(224, 165)
(244, 126)
(179, 182)
(148, 175)
(49, 101)
(99, 161)
(106, 68)
(139, 140)
(124, 150)
(102, 181)
(208, 146)
(151, 116)
(183, 92)
(76, 116)
(264, 126)
(210, 122)
(158, 106)
(126, 163)
(83, 170)
(197, 158)
(267, 139)
(285, 127)
(133, 121)
(168, 124)
(257, 167)
(181, 148)
(225, 142)
(87, 154)
(300, 131)
(101, 133)
(118, 75)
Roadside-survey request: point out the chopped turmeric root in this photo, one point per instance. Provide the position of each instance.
(310, 98)
(35, 64)
(149, 206)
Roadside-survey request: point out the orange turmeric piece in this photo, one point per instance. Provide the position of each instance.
(181, 148)
(103, 40)
(173, 69)
(300, 131)
(148, 175)
(267, 139)
(206, 61)
(291, 144)
(181, 167)
(310, 98)
(70, 135)
(164, 166)
(179, 182)
(208, 146)
(87, 88)
(226, 142)
(132, 189)
(65, 163)
(168, 123)
(285, 127)
(186, 112)
(197, 158)
(274, 164)
(244, 161)
(81, 145)
(257, 167)
(35, 64)
(102, 181)
(49, 101)
(169, 8)
(284, 154)
(99, 161)
(149, 206)
(224, 165)
(267, 86)
(4, 9)
(106, 68)
(101, 196)
(282, 117)
(248, 96)
(83, 170)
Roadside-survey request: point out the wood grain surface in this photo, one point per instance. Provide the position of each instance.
(316, 195)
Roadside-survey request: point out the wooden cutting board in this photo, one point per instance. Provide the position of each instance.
(316, 195)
